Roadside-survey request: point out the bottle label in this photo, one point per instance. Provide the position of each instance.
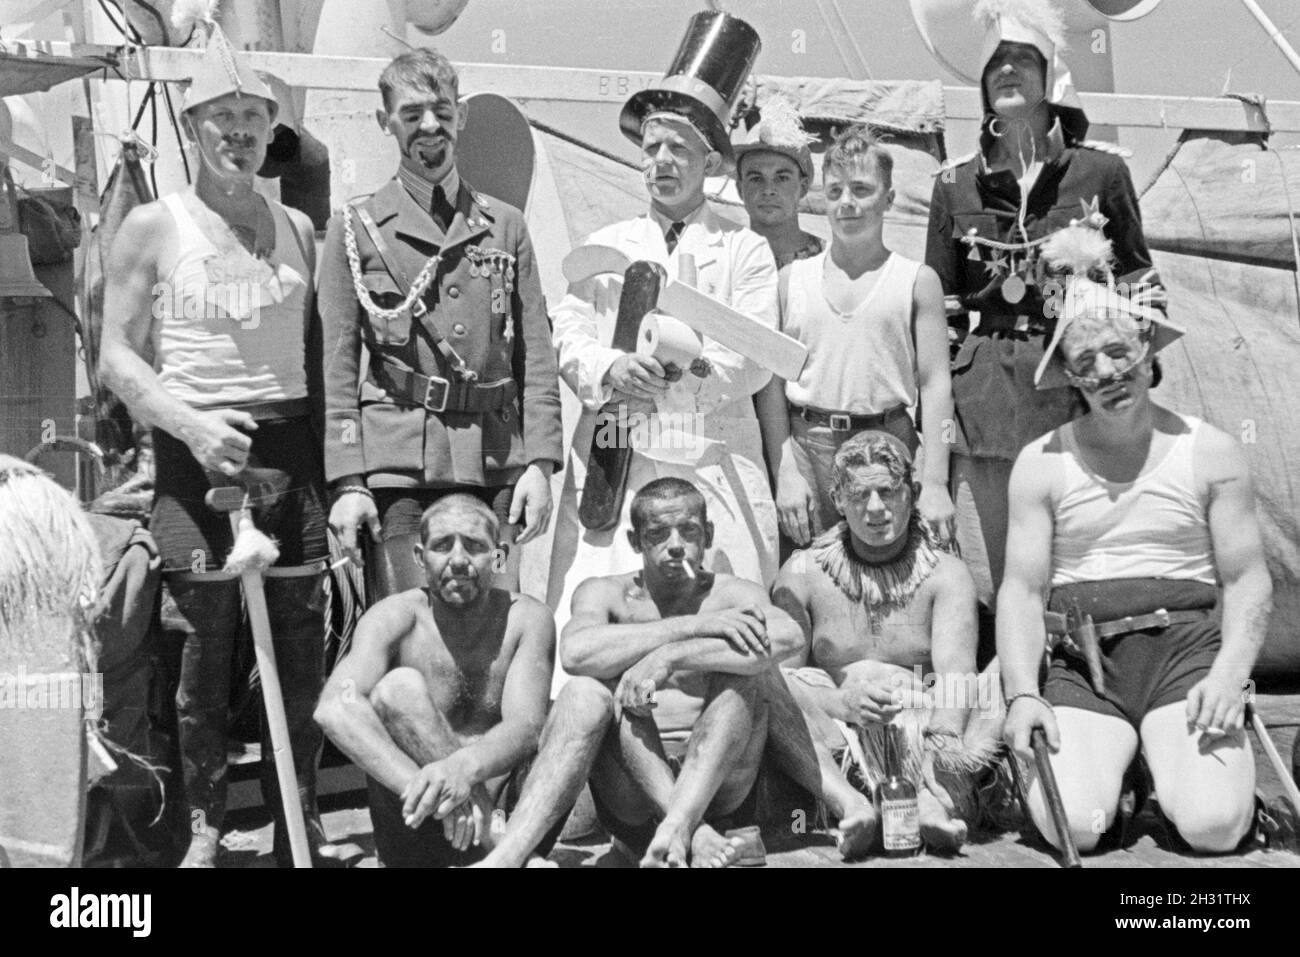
(901, 825)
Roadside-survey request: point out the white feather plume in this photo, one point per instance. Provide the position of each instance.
(1042, 15)
(187, 14)
(1081, 249)
(780, 125)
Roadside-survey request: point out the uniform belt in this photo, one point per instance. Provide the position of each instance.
(279, 409)
(1160, 618)
(844, 421)
(437, 394)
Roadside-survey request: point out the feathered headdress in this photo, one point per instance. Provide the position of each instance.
(779, 130)
(1083, 258)
(222, 70)
(188, 14)
(1037, 15)
(1038, 23)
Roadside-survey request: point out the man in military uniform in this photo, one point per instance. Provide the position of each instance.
(461, 392)
(990, 211)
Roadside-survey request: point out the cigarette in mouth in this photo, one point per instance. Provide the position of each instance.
(690, 570)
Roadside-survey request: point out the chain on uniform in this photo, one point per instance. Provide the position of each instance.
(415, 293)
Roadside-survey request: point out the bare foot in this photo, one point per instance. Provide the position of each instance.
(668, 846)
(711, 849)
(857, 831)
(941, 832)
(203, 849)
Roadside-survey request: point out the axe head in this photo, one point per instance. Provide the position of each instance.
(229, 498)
(262, 486)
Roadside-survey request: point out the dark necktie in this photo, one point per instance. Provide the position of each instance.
(672, 235)
(443, 212)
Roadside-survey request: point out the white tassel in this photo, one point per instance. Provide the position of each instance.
(253, 550)
(187, 14)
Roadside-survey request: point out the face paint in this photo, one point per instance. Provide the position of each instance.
(1121, 364)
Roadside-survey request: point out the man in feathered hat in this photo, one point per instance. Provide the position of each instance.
(680, 125)
(774, 169)
(208, 330)
(1128, 526)
(879, 604)
(1033, 174)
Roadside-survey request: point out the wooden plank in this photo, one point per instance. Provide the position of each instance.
(585, 85)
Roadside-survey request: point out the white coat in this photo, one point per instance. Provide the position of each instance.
(723, 452)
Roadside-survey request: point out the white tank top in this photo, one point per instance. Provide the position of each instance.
(862, 362)
(225, 341)
(1152, 527)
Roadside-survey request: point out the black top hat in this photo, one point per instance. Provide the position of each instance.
(704, 81)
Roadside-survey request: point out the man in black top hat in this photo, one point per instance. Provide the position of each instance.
(681, 126)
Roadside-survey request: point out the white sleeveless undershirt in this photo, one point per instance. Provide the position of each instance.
(1152, 527)
(864, 361)
(223, 340)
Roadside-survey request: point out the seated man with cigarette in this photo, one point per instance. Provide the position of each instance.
(1128, 526)
(666, 711)
(444, 693)
(879, 602)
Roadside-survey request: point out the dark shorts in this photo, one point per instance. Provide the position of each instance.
(399, 846)
(637, 837)
(185, 528)
(400, 508)
(1144, 670)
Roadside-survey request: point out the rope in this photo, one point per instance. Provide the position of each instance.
(582, 144)
(1290, 216)
(414, 294)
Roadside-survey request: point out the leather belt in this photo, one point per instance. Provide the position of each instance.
(437, 394)
(844, 421)
(1160, 618)
(279, 409)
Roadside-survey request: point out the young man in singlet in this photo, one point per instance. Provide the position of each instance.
(208, 338)
(874, 326)
(1138, 518)
(443, 695)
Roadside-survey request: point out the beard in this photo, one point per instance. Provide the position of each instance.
(430, 152)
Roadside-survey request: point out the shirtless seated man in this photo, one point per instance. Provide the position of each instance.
(662, 657)
(879, 606)
(444, 693)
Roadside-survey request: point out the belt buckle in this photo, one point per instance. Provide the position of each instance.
(418, 309)
(1162, 617)
(841, 422)
(441, 404)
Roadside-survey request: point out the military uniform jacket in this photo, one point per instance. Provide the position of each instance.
(485, 301)
(999, 409)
